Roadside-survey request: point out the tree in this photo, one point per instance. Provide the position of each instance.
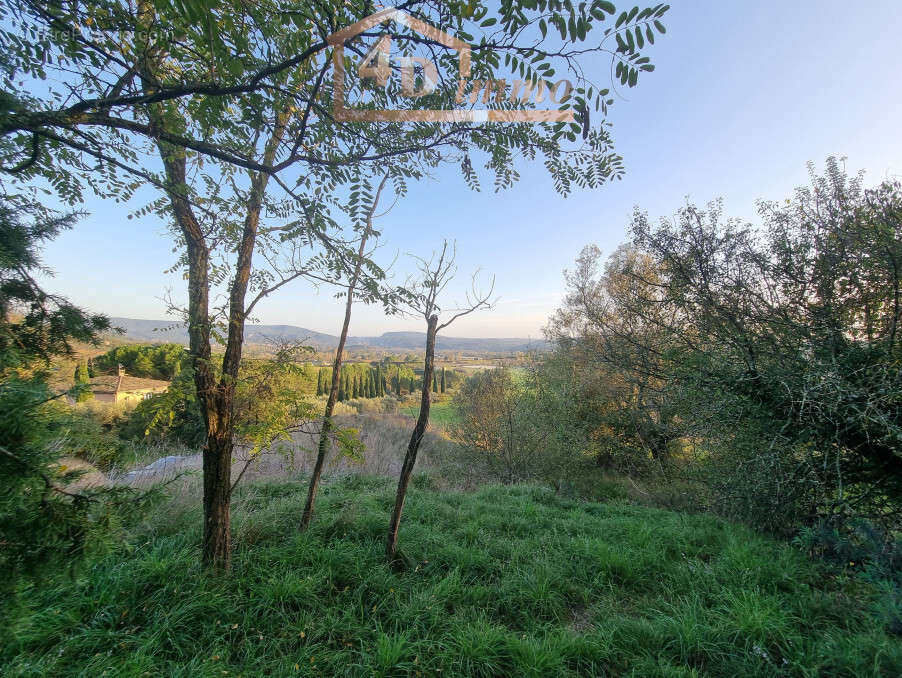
(82, 382)
(443, 380)
(35, 325)
(208, 89)
(772, 352)
(434, 383)
(512, 428)
(421, 298)
(90, 80)
(44, 520)
(613, 330)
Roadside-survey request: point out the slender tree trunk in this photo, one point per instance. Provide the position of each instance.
(323, 447)
(391, 546)
(333, 393)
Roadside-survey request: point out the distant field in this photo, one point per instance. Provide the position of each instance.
(440, 414)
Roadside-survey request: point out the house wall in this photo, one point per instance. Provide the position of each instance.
(136, 396)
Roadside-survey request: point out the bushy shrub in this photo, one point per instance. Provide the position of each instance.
(766, 360)
(505, 424)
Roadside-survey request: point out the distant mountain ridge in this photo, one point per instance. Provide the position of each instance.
(138, 329)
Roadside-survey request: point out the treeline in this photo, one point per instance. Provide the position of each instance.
(364, 381)
(153, 361)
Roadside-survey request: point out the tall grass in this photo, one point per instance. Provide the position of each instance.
(513, 581)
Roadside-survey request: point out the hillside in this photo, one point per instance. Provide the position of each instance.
(503, 582)
(177, 332)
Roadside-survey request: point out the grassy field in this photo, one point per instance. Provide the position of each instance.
(502, 582)
(441, 413)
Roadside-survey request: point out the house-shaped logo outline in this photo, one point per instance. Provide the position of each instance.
(342, 114)
(337, 41)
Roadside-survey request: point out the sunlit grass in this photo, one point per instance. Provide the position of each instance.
(503, 582)
(441, 413)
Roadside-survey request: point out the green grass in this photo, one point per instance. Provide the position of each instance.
(503, 582)
(441, 413)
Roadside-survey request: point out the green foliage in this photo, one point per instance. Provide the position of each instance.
(82, 381)
(171, 415)
(766, 362)
(34, 324)
(46, 520)
(639, 592)
(152, 361)
(270, 398)
(504, 421)
(83, 433)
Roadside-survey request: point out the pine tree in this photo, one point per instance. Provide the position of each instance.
(443, 380)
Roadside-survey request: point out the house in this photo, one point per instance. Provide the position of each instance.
(122, 388)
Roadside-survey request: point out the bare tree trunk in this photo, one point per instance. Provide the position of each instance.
(391, 546)
(336, 368)
(216, 456)
(333, 392)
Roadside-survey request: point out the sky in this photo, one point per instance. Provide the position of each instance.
(744, 95)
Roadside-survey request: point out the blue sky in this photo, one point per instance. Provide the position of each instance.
(743, 96)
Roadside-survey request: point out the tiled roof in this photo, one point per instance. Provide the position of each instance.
(107, 384)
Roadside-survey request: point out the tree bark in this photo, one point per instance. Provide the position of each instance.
(333, 392)
(323, 447)
(216, 399)
(410, 459)
(216, 547)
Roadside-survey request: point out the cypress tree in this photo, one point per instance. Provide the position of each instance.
(82, 379)
(319, 382)
(355, 387)
(341, 387)
(443, 380)
(434, 383)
